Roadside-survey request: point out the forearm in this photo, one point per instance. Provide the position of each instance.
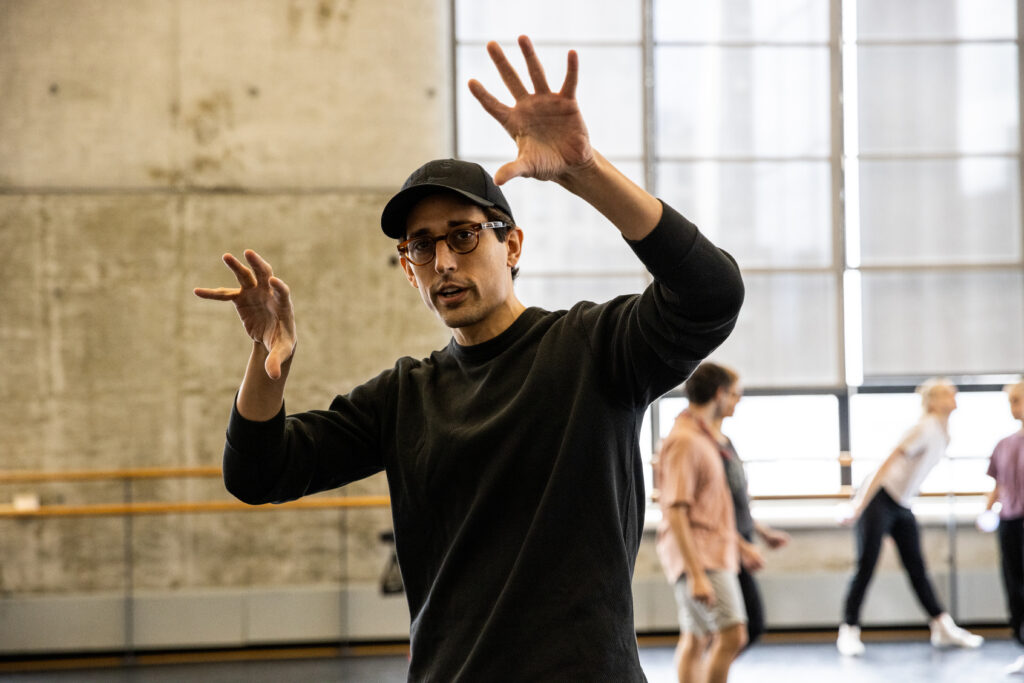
(864, 496)
(744, 546)
(992, 497)
(679, 522)
(866, 493)
(630, 208)
(260, 398)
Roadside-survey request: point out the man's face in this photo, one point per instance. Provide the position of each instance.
(728, 397)
(943, 400)
(1016, 395)
(472, 293)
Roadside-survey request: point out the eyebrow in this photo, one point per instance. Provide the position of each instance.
(452, 223)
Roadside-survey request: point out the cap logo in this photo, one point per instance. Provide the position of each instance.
(441, 171)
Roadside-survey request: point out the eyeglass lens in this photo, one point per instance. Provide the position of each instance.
(461, 241)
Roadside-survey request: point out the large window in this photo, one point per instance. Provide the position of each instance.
(859, 158)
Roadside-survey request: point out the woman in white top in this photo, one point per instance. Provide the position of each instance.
(883, 507)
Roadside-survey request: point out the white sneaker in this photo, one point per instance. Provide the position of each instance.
(848, 643)
(1016, 668)
(945, 633)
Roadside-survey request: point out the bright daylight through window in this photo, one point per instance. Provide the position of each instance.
(859, 158)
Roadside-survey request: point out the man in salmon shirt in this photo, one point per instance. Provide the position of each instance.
(698, 544)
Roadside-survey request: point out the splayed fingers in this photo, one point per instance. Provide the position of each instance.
(547, 127)
(263, 303)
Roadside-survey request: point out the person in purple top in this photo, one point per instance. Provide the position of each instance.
(1006, 466)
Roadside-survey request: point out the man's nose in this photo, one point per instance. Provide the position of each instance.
(444, 257)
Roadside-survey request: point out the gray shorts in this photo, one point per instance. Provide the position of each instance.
(728, 610)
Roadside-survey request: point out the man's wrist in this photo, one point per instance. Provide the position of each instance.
(576, 179)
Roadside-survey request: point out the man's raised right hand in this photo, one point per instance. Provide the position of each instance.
(264, 305)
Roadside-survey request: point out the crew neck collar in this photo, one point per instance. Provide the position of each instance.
(496, 345)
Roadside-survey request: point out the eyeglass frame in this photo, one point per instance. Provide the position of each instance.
(403, 246)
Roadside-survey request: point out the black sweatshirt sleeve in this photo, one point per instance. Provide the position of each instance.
(705, 280)
(650, 343)
(289, 457)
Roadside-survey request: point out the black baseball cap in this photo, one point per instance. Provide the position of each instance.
(464, 177)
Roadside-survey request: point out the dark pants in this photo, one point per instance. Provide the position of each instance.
(755, 610)
(884, 516)
(1011, 550)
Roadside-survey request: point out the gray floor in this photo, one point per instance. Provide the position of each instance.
(889, 662)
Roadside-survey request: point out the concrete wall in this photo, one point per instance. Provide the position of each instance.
(140, 140)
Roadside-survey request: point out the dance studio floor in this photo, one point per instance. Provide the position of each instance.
(902, 657)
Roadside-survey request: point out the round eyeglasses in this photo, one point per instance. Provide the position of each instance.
(461, 239)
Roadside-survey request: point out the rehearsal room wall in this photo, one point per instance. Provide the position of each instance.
(139, 141)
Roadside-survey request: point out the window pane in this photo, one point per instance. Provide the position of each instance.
(877, 422)
(789, 444)
(787, 334)
(938, 98)
(714, 101)
(542, 20)
(724, 20)
(963, 474)
(945, 322)
(793, 478)
(917, 19)
(610, 94)
(557, 293)
(777, 428)
(981, 419)
(940, 211)
(766, 214)
(562, 233)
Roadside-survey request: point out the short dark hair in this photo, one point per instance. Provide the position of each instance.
(706, 380)
(493, 213)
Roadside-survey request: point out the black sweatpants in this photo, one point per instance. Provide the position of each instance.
(884, 516)
(1011, 550)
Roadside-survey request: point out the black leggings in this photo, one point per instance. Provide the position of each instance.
(1011, 550)
(755, 610)
(885, 516)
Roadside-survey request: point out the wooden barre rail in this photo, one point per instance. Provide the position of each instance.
(38, 476)
(8, 511)
(336, 502)
(160, 508)
(9, 477)
(848, 494)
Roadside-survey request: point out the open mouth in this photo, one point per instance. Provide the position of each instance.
(450, 292)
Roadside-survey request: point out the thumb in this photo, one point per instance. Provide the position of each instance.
(279, 354)
(273, 367)
(513, 169)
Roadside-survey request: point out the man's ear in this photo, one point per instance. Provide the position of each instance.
(514, 245)
(409, 274)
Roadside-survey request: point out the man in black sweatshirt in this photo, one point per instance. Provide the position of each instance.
(512, 454)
